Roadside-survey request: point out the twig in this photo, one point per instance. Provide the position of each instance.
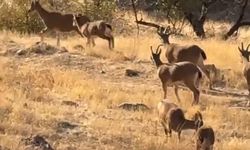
(136, 19)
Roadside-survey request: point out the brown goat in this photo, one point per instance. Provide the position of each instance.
(177, 53)
(178, 122)
(163, 108)
(57, 21)
(205, 138)
(185, 72)
(98, 28)
(245, 59)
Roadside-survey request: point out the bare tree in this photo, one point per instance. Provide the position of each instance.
(197, 22)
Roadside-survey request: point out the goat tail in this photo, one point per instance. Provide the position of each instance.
(203, 54)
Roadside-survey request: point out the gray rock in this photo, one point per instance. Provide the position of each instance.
(131, 73)
(133, 106)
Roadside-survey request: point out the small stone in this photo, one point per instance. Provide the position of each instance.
(131, 73)
(21, 52)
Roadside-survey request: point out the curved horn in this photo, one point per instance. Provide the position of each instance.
(198, 115)
(247, 47)
(242, 46)
(151, 47)
(159, 52)
(159, 46)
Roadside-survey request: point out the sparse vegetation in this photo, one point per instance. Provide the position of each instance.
(68, 98)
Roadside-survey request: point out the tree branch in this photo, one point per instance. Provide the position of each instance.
(238, 23)
(150, 24)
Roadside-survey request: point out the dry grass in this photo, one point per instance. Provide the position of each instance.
(32, 93)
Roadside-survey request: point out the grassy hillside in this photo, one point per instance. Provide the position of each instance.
(36, 91)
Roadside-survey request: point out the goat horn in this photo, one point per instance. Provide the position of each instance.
(151, 47)
(159, 46)
(242, 46)
(159, 51)
(247, 47)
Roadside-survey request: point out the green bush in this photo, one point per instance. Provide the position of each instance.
(14, 15)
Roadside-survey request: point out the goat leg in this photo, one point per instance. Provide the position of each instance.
(165, 128)
(58, 39)
(176, 92)
(164, 86)
(42, 33)
(179, 135)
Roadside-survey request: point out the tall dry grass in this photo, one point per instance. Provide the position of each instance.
(32, 95)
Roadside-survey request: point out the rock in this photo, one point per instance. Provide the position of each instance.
(102, 72)
(66, 125)
(21, 52)
(38, 142)
(133, 106)
(79, 47)
(131, 73)
(70, 103)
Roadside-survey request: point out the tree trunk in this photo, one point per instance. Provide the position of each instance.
(238, 23)
(197, 24)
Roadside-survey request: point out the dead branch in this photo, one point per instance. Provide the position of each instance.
(150, 24)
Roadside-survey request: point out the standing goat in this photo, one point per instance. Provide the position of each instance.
(246, 70)
(186, 72)
(57, 21)
(96, 28)
(205, 138)
(163, 108)
(177, 53)
(177, 121)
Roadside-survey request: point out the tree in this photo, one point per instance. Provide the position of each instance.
(239, 23)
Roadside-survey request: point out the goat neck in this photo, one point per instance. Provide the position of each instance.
(188, 124)
(158, 63)
(42, 12)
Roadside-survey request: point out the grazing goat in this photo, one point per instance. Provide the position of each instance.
(57, 21)
(163, 108)
(186, 72)
(178, 122)
(98, 28)
(205, 138)
(177, 53)
(245, 59)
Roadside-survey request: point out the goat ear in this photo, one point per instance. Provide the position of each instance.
(242, 46)
(239, 49)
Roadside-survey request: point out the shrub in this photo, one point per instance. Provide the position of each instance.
(14, 15)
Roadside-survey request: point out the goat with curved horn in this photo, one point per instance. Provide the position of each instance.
(98, 28)
(178, 53)
(246, 68)
(186, 72)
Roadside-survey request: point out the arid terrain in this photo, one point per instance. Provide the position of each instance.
(70, 96)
